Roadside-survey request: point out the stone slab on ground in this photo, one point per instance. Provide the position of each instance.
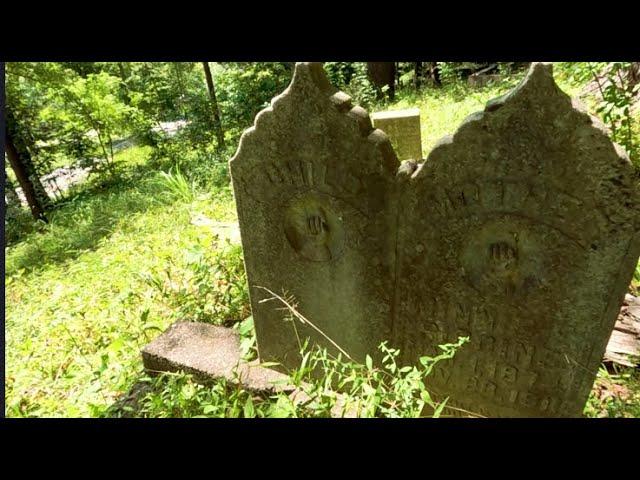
(208, 352)
(224, 230)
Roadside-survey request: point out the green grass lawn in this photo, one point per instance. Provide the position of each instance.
(78, 307)
(119, 263)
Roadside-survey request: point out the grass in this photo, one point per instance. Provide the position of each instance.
(615, 394)
(78, 308)
(121, 260)
(442, 110)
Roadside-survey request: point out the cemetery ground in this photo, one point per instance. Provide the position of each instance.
(122, 260)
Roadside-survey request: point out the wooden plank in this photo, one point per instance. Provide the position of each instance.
(624, 345)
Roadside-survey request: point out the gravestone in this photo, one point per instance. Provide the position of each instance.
(312, 181)
(519, 231)
(403, 129)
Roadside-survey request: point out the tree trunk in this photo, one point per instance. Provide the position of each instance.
(124, 87)
(434, 73)
(382, 74)
(177, 70)
(217, 124)
(20, 165)
(11, 197)
(634, 75)
(417, 77)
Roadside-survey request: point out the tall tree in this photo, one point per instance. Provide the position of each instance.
(383, 74)
(217, 124)
(22, 165)
(11, 197)
(417, 74)
(434, 73)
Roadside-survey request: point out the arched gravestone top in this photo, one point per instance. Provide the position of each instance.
(520, 231)
(312, 179)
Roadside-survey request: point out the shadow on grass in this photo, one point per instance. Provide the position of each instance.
(167, 395)
(93, 210)
(129, 404)
(78, 226)
(80, 222)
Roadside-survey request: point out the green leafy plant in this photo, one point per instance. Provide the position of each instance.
(635, 282)
(178, 395)
(618, 94)
(245, 329)
(448, 72)
(615, 393)
(352, 78)
(338, 385)
(94, 104)
(245, 88)
(177, 185)
(617, 88)
(211, 287)
(349, 388)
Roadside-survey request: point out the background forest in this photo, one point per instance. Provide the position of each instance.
(119, 215)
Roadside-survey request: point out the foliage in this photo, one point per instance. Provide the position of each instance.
(93, 103)
(204, 167)
(618, 95)
(351, 77)
(349, 388)
(448, 72)
(17, 223)
(211, 289)
(179, 396)
(164, 91)
(615, 394)
(78, 309)
(617, 91)
(243, 89)
(25, 85)
(177, 186)
(635, 282)
(343, 388)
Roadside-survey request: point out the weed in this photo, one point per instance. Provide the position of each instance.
(211, 289)
(615, 394)
(177, 186)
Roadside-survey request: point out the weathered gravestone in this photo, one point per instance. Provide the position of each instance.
(313, 181)
(519, 231)
(403, 129)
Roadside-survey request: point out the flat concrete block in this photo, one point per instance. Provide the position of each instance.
(403, 129)
(208, 352)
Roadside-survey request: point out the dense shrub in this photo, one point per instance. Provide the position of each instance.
(243, 89)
